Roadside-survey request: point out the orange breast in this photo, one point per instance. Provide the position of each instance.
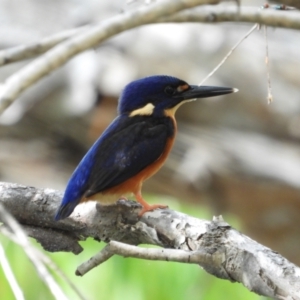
(134, 184)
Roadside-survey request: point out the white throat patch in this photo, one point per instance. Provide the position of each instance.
(171, 111)
(146, 110)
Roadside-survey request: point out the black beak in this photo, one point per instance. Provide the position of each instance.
(196, 91)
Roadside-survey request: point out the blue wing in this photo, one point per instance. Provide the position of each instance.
(127, 146)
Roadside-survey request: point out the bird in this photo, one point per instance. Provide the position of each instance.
(135, 145)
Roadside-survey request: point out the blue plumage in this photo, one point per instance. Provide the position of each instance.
(126, 147)
(136, 143)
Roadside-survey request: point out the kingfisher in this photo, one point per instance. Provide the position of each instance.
(135, 145)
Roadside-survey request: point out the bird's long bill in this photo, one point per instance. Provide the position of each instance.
(196, 91)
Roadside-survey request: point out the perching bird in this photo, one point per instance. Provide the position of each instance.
(135, 145)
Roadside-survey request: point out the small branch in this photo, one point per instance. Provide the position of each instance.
(228, 54)
(270, 96)
(125, 250)
(250, 264)
(22, 52)
(102, 256)
(212, 14)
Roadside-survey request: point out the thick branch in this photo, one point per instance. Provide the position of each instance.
(218, 248)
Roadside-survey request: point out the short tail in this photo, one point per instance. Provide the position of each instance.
(65, 209)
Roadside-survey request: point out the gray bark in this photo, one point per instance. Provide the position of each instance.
(228, 253)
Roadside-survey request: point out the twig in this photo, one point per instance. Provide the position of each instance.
(270, 96)
(212, 14)
(228, 54)
(61, 53)
(125, 250)
(30, 251)
(102, 256)
(17, 291)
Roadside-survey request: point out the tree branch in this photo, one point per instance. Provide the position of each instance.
(60, 54)
(275, 18)
(218, 248)
(269, 17)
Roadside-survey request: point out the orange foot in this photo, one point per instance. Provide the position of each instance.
(147, 207)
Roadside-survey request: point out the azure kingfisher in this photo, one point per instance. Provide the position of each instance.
(135, 145)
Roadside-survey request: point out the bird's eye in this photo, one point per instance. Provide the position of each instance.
(169, 90)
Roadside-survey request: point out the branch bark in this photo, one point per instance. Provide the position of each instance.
(274, 18)
(215, 245)
(22, 52)
(269, 17)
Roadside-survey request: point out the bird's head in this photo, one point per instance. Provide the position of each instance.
(162, 95)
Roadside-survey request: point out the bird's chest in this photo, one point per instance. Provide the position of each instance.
(139, 154)
(157, 164)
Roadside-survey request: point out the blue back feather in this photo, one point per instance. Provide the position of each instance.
(77, 183)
